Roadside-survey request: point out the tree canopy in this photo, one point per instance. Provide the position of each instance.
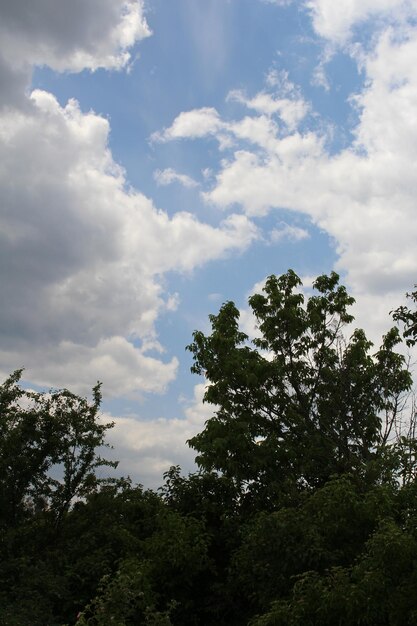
(302, 510)
(299, 403)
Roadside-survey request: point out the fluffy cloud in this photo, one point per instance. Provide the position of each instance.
(279, 115)
(191, 124)
(83, 34)
(114, 361)
(169, 175)
(291, 233)
(80, 254)
(147, 449)
(335, 20)
(290, 110)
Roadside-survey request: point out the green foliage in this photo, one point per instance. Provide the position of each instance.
(408, 318)
(303, 511)
(42, 435)
(125, 599)
(299, 404)
(48, 459)
(377, 590)
(329, 530)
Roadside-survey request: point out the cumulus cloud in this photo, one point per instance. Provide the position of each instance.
(83, 34)
(191, 124)
(147, 449)
(283, 102)
(336, 23)
(81, 255)
(334, 20)
(169, 175)
(288, 232)
(281, 110)
(290, 110)
(114, 361)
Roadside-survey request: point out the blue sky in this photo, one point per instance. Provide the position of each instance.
(161, 157)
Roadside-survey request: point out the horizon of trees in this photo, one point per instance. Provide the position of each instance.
(302, 511)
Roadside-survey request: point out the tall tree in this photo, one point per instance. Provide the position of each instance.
(299, 403)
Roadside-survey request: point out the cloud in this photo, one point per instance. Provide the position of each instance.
(334, 20)
(147, 449)
(291, 111)
(83, 34)
(191, 124)
(284, 102)
(169, 175)
(278, 116)
(81, 255)
(288, 232)
(114, 361)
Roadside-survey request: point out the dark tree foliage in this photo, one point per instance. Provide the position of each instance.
(40, 433)
(303, 511)
(408, 318)
(298, 404)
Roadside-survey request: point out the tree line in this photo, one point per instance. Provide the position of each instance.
(302, 510)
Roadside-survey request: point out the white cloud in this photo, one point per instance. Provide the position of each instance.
(169, 175)
(191, 124)
(81, 256)
(335, 20)
(147, 449)
(285, 103)
(320, 78)
(259, 183)
(114, 361)
(82, 34)
(290, 110)
(261, 130)
(288, 232)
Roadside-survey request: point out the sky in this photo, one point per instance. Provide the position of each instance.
(160, 157)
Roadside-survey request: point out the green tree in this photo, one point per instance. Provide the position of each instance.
(48, 449)
(328, 531)
(408, 319)
(48, 458)
(377, 590)
(299, 403)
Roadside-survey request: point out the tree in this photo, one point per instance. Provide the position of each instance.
(303, 510)
(377, 590)
(48, 449)
(48, 457)
(328, 530)
(408, 318)
(300, 403)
